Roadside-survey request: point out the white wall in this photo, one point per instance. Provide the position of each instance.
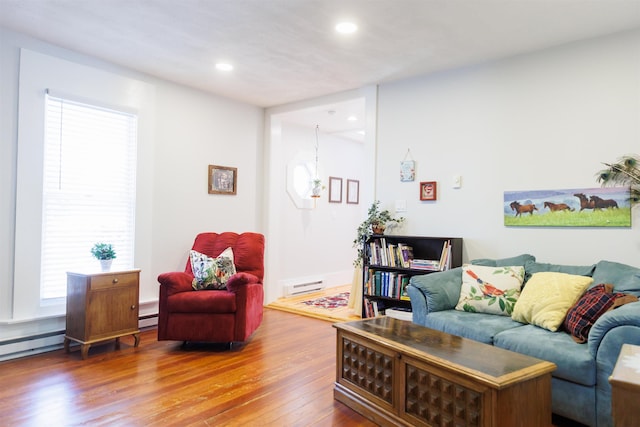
(305, 244)
(537, 121)
(317, 242)
(540, 121)
(190, 131)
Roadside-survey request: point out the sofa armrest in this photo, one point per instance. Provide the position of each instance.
(239, 280)
(435, 291)
(175, 282)
(626, 317)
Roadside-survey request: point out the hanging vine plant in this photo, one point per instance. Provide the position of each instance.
(376, 223)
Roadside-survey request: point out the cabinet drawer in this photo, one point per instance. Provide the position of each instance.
(115, 279)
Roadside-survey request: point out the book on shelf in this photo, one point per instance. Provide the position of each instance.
(405, 254)
(441, 264)
(389, 254)
(390, 284)
(400, 313)
(372, 308)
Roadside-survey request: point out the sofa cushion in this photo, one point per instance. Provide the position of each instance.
(624, 278)
(476, 326)
(593, 304)
(212, 273)
(547, 297)
(574, 362)
(442, 290)
(502, 262)
(532, 267)
(491, 290)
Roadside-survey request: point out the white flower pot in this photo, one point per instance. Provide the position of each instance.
(106, 264)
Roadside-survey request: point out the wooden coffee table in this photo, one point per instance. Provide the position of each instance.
(396, 372)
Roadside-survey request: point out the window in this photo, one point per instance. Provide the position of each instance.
(89, 189)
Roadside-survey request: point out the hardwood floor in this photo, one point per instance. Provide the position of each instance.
(282, 377)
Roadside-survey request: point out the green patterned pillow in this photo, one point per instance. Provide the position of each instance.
(212, 273)
(492, 290)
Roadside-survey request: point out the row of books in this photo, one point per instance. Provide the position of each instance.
(389, 255)
(373, 308)
(444, 263)
(386, 283)
(401, 255)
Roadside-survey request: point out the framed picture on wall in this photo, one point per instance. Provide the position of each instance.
(222, 179)
(353, 191)
(335, 190)
(428, 190)
(407, 170)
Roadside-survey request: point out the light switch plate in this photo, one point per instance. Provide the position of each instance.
(401, 205)
(457, 181)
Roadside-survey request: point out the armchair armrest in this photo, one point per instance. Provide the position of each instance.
(249, 301)
(624, 319)
(239, 280)
(175, 282)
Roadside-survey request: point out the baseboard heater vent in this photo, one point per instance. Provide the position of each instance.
(304, 288)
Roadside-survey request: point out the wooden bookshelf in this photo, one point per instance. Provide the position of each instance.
(390, 261)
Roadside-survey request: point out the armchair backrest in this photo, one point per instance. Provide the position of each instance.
(248, 250)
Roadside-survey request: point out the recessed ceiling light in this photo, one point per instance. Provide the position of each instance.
(223, 66)
(346, 28)
(352, 118)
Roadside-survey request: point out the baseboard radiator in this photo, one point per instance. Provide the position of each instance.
(304, 288)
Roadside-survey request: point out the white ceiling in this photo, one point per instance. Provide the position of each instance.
(287, 50)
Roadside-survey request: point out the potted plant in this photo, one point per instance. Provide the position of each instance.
(625, 172)
(105, 253)
(317, 188)
(376, 223)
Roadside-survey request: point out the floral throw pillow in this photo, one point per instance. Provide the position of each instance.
(492, 290)
(211, 273)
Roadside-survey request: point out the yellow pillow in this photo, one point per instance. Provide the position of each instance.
(547, 297)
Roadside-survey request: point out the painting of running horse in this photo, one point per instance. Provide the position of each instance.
(583, 207)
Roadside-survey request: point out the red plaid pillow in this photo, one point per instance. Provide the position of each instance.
(593, 304)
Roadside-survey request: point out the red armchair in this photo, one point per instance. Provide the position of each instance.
(221, 316)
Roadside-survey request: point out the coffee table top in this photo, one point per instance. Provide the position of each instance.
(494, 366)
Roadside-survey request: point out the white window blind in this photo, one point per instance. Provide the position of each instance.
(89, 189)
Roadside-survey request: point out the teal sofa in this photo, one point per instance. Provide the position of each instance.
(580, 386)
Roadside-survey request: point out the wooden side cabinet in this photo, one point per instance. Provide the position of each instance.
(100, 307)
(625, 387)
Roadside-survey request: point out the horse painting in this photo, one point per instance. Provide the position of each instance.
(599, 203)
(564, 207)
(520, 209)
(585, 203)
(554, 207)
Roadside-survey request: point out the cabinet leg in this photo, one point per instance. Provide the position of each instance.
(84, 350)
(118, 343)
(67, 343)
(136, 337)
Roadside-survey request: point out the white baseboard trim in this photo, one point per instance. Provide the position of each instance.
(42, 343)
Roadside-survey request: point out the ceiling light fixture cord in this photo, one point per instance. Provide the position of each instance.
(317, 144)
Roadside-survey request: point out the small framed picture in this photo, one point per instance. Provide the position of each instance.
(428, 190)
(222, 179)
(407, 170)
(353, 191)
(335, 190)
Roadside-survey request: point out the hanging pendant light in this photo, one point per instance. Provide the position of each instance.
(316, 186)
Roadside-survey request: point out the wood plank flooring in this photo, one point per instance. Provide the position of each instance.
(282, 377)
